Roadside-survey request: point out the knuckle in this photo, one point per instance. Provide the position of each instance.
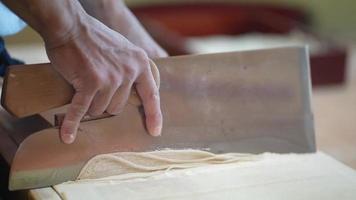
(141, 57)
(154, 116)
(114, 110)
(153, 96)
(76, 113)
(114, 79)
(93, 111)
(88, 84)
(78, 83)
(110, 111)
(135, 65)
(95, 82)
(130, 73)
(78, 109)
(129, 70)
(140, 54)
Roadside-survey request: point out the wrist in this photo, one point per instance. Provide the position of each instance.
(56, 29)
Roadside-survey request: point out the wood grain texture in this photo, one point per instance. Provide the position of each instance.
(31, 89)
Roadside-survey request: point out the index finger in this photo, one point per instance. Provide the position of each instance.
(76, 111)
(148, 91)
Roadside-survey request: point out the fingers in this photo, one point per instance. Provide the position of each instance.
(77, 109)
(95, 103)
(148, 91)
(101, 101)
(119, 99)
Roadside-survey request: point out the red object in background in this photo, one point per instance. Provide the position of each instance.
(328, 68)
(211, 19)
(171, 24)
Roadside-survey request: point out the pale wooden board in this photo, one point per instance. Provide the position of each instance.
(308, 176)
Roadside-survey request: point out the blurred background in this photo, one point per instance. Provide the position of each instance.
(328, 27)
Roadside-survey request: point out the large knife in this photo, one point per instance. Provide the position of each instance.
(252, 101)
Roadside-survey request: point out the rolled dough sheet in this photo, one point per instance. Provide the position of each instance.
(202, 175)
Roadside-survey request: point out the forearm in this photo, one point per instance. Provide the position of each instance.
(117, 16)
(113, 13)
(55, 21)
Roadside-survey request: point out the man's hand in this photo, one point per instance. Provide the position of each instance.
(102, 66)
(116, 15)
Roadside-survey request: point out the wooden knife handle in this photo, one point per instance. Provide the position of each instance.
(31, 89)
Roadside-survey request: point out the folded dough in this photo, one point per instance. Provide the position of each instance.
(127, 165)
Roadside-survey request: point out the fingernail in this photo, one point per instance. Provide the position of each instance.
(157, 131)
(68, 138)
